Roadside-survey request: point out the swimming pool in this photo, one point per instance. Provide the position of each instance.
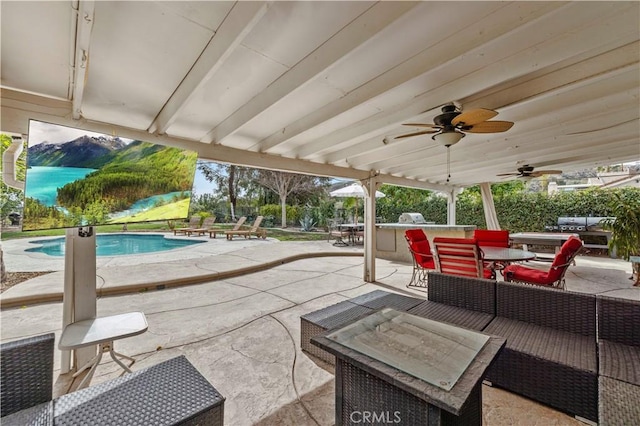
(117, 244)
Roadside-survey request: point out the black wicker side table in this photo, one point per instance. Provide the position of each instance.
(395, 367)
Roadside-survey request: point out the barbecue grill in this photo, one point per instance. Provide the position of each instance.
(577, 224)
(588, 228)
(411, 218)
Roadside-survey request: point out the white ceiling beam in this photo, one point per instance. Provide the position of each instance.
(364, 154)
(447, 48)
(598, 65)
(241, 19)
(549, 140)
(491, 65)
(361, 30)
(17, 108)
(84, 25)
(577, 114)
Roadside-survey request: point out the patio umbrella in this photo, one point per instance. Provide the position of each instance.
(354, 190)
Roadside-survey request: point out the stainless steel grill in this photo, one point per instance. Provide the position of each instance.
(411, 218)
(588, 228)
(577, 224)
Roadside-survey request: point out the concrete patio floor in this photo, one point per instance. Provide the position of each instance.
(241, 326)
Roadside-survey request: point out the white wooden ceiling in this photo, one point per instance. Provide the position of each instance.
(318, 86)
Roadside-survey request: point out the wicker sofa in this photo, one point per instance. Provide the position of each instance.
(170, 393)
(551, 351)
(552, 354)
(619, 360)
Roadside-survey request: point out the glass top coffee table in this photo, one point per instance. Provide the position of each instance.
(429, 350)
(397, 364)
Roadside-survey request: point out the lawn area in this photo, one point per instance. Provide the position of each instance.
(290, 234)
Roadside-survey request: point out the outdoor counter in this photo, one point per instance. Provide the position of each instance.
(391, 245)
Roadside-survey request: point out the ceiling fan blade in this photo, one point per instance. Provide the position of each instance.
(490, 127)
(474, 116)
(423, 132)
(545, 172)
(431, 126)
(508, 174)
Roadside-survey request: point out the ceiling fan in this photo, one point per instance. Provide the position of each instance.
(527, 171)
(451, 126)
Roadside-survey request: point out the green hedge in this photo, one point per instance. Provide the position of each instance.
(517, 212)
(294, 213)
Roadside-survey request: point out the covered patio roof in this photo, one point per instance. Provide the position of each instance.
(324, 87)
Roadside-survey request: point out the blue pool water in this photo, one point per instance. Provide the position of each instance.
(116, 244)
(43, 182)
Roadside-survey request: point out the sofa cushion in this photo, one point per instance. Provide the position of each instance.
(558, 346)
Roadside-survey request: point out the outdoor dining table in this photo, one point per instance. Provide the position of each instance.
(352, 228)
(506, 254)
(498, 257)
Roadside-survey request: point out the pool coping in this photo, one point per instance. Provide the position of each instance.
(240, 260)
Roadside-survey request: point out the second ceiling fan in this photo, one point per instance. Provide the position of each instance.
(450, 126)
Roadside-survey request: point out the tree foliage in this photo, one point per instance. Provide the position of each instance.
(11, 198)
(285, 184)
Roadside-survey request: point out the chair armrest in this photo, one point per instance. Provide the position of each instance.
(26, 373)
(429, 255)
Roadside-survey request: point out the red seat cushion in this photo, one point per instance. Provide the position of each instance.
(523, 273)
(491, 237)
(419, 244)
(537, 276)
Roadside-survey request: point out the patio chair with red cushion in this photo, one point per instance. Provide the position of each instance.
(423, 260)
(491, 237)
(460, 256)
(554, 276)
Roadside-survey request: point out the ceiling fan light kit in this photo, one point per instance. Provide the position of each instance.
(448, 138)
(452, 125)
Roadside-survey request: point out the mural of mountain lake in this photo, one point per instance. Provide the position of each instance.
(43, 182)
(117, 244)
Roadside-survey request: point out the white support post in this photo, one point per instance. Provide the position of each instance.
(370, 186)
(79, 299)
(490, 216)
(451, 207)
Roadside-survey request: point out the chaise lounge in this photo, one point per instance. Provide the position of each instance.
(247, 233)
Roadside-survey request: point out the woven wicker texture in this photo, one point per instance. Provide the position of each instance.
(336, 315)
(476, 294)
(619, 402)
(567, 389)
(452, 314)
(558, 346)
(358, 392)
(325, 319)
(550, 354)
(39, 415)
(381, 299)
(547, 307)
(620, 361)
(172, 392)
(619, 320)
(26, 373)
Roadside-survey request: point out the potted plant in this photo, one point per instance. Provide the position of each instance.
(625, 231)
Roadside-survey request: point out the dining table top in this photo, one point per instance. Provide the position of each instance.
(506, 254)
